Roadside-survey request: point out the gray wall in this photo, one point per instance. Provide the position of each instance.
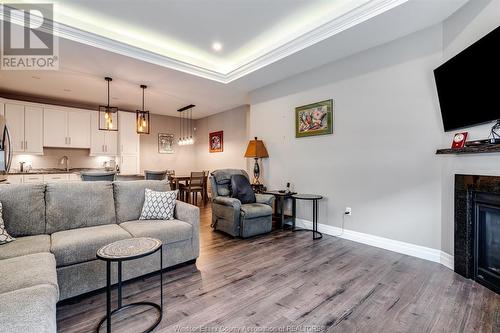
(380, 160)
(468, 25)
(182, 161)
(196, 157)
(234, 124)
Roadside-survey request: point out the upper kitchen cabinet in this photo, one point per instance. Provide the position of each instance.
(102, 142)
(25, 125)
(66, 128)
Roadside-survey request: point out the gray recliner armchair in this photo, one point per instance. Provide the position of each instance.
(234, 218)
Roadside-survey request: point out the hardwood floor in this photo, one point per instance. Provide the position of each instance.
(285, 279)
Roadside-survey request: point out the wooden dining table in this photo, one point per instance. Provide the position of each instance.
(176, 179)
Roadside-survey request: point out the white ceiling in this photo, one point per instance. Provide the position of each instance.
(263, 42)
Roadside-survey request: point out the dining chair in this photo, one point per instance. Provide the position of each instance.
(98, 176)
(155, 175)
(194, 186)
(205, 185)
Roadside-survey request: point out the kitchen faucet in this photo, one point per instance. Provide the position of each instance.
(65, 160)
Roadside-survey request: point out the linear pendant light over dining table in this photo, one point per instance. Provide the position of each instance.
(108, 115)
(142, 117)
(186, 125)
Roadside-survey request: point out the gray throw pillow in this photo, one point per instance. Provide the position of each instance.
(4, 236)
(158, 205)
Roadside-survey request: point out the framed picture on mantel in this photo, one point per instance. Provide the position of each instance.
(165, 143)
(314, 119)
(216, 142)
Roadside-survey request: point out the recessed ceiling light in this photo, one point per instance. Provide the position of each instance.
(67, 90)
(216, 46)
(36, 77)
(115, 98)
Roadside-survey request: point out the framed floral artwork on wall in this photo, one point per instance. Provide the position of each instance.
(314, 119)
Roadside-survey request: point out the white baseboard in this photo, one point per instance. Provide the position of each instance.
(383, 243)
(447, 260)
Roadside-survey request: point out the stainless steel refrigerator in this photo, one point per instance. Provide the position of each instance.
(5, 150)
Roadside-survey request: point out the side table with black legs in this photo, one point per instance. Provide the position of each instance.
(279, 207)
(309, 197)
(125, 250)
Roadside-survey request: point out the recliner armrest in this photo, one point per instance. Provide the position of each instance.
(227, 201)
(266, 199)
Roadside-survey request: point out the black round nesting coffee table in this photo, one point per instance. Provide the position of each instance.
(314, 198)
(125, 250)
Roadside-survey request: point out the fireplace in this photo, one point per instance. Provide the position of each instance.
(477, 229)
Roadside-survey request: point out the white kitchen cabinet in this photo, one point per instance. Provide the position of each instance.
(55, 177)
(25, 125)
(33, 130)
(15, 179)
(102, 142)
(128, 141)
(32, 178)
(14, 117)
(66, 128)
(55, 124)
(79, 128)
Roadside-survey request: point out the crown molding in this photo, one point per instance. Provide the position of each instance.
(332, 28)
(350, 19)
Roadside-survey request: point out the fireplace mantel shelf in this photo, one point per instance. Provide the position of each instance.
(470, 150)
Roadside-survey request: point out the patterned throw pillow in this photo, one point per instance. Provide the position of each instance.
(158, 205)
(4, 236)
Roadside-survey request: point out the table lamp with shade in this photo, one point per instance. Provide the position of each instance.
(256, 150)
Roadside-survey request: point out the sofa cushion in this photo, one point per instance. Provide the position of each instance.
(79, 245)
(158, 205)
(170, 231)
(23, 209)
(27, 271)
(29, 310)
(254, 210)
(79, 204)
(25, 245)
(223, 180)
(129, 197)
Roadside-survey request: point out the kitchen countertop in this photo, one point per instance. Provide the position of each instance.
(54, 171)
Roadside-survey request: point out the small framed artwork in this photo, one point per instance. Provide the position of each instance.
(216, 142)
(459, 140)
(165, 143)
(314, 119)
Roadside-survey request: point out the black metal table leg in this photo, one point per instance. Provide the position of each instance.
(108, 296)
(315, 221)
(119, 284)
(161, 280)
(294, 212)
(282, 212)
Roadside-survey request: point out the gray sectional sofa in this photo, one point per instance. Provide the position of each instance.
(58, 229)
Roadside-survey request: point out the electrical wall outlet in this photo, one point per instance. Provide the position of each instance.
(348, 211)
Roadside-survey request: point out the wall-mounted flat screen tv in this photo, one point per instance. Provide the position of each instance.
(468, 85)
